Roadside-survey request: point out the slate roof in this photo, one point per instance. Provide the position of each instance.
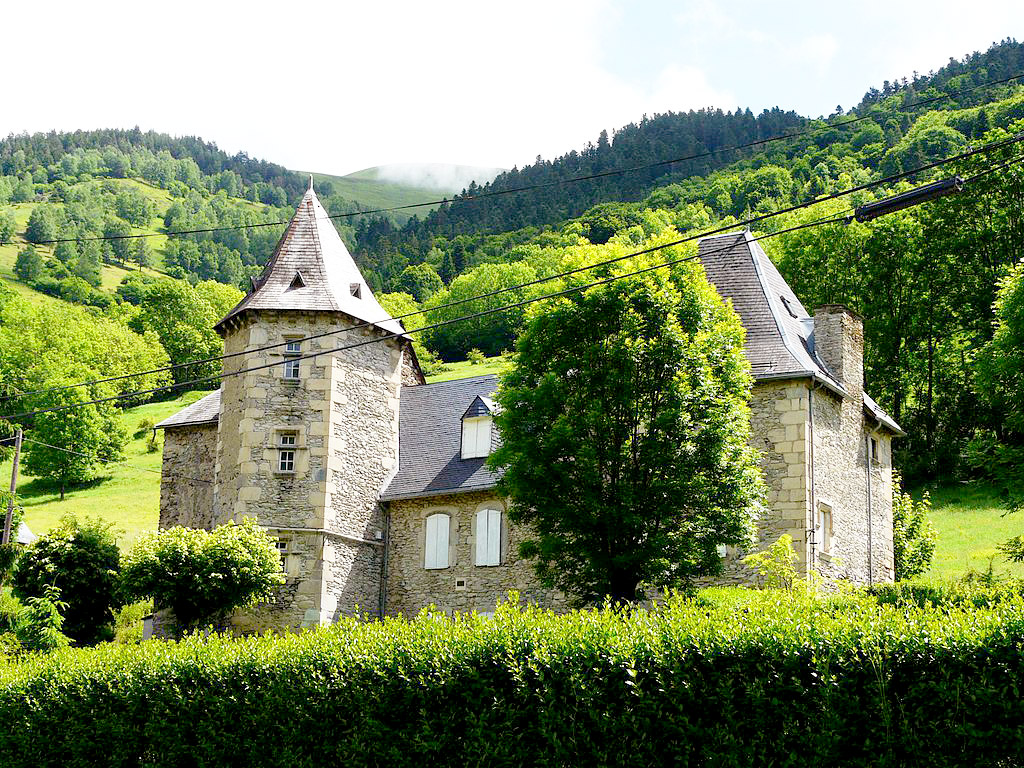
(206, 410)
(312, 270)
(780, 332)
(430, 440)
(779, 329)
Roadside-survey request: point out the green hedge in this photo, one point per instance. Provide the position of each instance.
(770, 680)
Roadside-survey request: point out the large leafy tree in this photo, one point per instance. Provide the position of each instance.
(624, 424)
(69, 447)
(203, 575)
(82, 560)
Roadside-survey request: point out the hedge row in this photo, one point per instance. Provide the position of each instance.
(772, 680)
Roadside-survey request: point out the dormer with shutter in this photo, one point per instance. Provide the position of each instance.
(477, 425)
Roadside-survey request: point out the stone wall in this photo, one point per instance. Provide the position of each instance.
(343, 412)
(187, 476)
(411, 587)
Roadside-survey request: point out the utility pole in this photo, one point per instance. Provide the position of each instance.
(9, 518)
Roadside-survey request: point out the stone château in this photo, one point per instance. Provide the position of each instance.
(374, 482)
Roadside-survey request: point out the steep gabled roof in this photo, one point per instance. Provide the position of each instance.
(430, 459)
(779, 341)
(312, 270)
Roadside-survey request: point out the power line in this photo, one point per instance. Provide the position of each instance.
(114, 461)
(557, 182)
(745, 223)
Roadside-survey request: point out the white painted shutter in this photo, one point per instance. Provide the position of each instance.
(436, 555)
(476, 437)
(488, 537)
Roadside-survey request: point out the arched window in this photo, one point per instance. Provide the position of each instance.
(436, 553)
(488, 537)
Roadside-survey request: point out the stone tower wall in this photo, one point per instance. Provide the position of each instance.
(187, 476)
(343, 411)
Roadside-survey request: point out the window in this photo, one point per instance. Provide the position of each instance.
(476, 437)
(291, 364)
(488, 537)
(286, 452)
(436, 554)
(281, 546)
(823, 528)
(874, 450)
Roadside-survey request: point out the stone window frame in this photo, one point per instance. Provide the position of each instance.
(874, 446)
(494, 504)
(428, 513)
(286, 443)
(291, 372)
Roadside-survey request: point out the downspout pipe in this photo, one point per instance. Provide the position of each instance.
(810, 452)
(867, 475)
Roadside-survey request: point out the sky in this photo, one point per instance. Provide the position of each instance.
(335, 87)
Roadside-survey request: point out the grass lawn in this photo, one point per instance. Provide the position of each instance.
(127, 494)
(465, 369)
(970, 523)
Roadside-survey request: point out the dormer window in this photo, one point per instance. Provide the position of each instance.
(356, 289)
(476, 429)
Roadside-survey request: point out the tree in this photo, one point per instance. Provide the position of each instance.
(203, 575)
(29, 264)
(122, 244)
(7, 228)
(421, 281)
(142, 254)
(41, 225)
(624, 425)
(88, 265)
(913, 536)
(71, 445)
(82, 560)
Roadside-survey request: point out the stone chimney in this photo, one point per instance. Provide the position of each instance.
(839, 343)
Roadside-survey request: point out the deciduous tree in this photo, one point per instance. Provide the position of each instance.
(624, 424)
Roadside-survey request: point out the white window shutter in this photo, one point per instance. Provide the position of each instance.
(493, 535)
(488, 537)
(436, 550)
(476, 437)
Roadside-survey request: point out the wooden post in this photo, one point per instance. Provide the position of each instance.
(9, 517)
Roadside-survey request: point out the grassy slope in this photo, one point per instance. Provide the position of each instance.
(373, 193)
(126, 494)
(970, 523)
(466, 369)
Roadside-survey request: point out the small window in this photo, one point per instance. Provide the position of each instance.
(823, 528)
(488, 537)
(286, 452)
(874, 451)
(476, 437)
(291, 365)
(436, 554)
(356, 289)
(281, 546)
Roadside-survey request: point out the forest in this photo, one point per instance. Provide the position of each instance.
(926, 280)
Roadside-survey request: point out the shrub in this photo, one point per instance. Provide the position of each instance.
(776, 565)
(778, 682)
(80, 559)
(913, 536)
(202, 575)
(475, 356)
(39, 625)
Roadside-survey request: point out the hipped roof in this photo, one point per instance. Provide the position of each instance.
(312, 270)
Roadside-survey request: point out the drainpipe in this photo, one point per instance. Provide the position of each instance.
(382, 602)
(871, 538)
(810, 449)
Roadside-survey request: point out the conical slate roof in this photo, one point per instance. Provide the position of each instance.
(312, 270)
